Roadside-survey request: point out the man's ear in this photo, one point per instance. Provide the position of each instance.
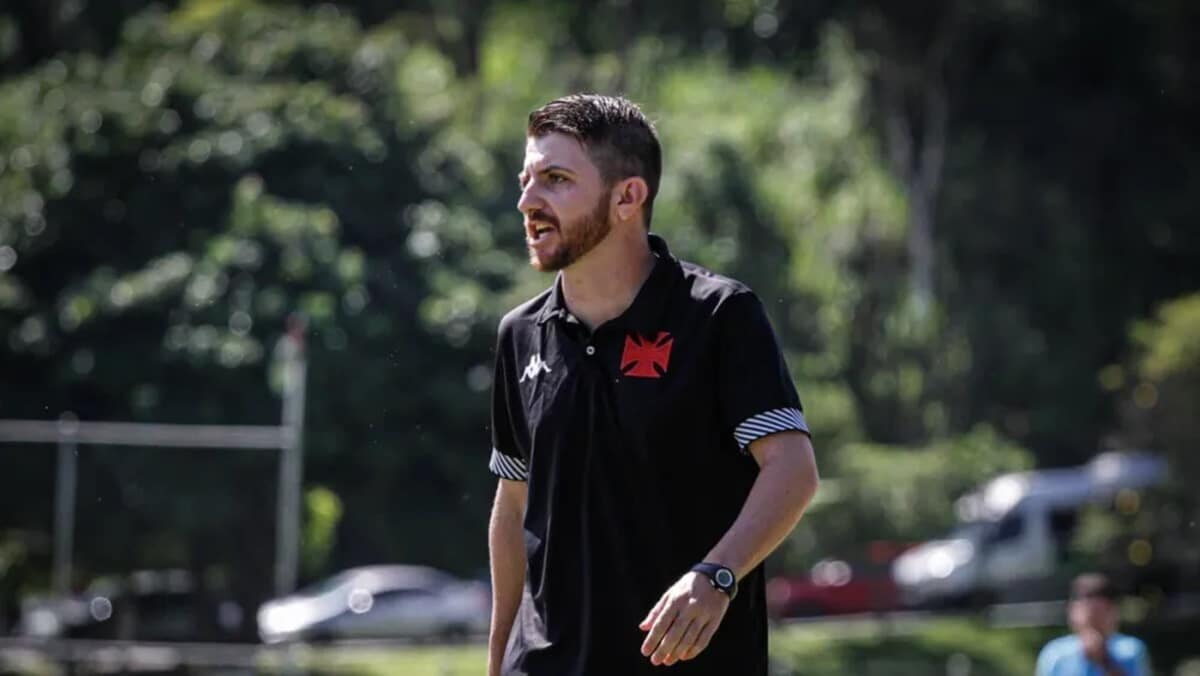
(629, 196)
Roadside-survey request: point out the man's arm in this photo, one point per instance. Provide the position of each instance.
(686, 617)
(506, 545)
(787, 481)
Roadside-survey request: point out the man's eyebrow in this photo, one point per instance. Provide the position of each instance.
(524, 174)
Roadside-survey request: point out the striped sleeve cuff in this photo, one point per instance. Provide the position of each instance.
(769, 422)
(508, 467)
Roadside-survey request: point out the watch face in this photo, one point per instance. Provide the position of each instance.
(724, 578)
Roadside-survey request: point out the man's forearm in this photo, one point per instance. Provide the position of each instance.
(506, 544)
(786, 483)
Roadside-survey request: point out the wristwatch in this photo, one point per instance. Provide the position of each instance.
(721, 577)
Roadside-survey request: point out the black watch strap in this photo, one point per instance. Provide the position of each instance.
(720, 576)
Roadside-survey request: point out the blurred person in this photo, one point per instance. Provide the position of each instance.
(650, 446)
(1095, 648)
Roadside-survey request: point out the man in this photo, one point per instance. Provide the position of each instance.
(1095, 648)
(650, 444)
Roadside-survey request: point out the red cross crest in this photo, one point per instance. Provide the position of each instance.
(643, 358)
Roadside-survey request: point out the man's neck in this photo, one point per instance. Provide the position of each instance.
(603, 284)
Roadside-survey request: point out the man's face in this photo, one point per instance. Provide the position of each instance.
(564, 200)
(1096, 613)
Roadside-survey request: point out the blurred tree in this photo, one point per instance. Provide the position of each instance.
(898, 494)
(952, 214)
(1059, 214)
(1160, 400)
(324, 511)
(39, 30)
(166, 207)
(1163, 391)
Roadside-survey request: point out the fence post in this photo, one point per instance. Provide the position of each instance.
(291, 461)
(64, 503)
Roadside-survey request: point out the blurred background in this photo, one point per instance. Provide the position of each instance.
(253, 254)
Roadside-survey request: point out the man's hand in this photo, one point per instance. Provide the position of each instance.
(684, 620)
(1095, 649)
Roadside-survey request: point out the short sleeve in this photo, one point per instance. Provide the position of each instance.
(1045, 662)
(756, 394)
(1054, 652)
(508, 461)
(1142, 660)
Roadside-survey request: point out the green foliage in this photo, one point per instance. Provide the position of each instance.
(1171, 343)
(900, 494)
(914, 489)
(1156, 530)
(929, 648)
(178, 179)
(323, 510)
(1165, 395)
(247, 161)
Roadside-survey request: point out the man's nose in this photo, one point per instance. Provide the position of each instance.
(529, 200)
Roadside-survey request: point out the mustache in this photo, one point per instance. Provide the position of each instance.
(543, 217)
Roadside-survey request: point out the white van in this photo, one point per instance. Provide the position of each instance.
(1013, 532)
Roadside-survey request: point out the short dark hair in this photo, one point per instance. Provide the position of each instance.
(1093, 586)
(618, 137)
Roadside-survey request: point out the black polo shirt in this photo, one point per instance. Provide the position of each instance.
(633, 441)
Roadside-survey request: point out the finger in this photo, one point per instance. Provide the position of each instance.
(653, 614)
(661, 625)
(664, 654)
(686, 642)
(688, 646)
(706, 635)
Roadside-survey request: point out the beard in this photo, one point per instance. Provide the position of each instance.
(575, 239)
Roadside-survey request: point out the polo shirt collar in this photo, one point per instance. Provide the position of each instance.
(556, 304)
(645, 311)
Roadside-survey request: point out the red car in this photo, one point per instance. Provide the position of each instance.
(835, 587)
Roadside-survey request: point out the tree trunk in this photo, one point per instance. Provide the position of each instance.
(915, 114)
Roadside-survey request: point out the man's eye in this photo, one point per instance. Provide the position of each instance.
(555, 179)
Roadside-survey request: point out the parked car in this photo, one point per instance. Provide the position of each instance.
(389, 601)
(1014, 530)
(146, 605)
(833, 587)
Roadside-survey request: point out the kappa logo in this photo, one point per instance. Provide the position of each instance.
(643, 358)
(534, 368)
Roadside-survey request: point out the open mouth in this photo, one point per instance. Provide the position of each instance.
(538, 232)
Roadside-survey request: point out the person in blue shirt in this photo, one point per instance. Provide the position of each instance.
(1095, 648)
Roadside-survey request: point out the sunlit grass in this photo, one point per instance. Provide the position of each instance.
(926, 647)
(467, 660)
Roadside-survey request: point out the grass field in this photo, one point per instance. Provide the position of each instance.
(418, 661)
(936, 648)
(940, 647)
(959, 646)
